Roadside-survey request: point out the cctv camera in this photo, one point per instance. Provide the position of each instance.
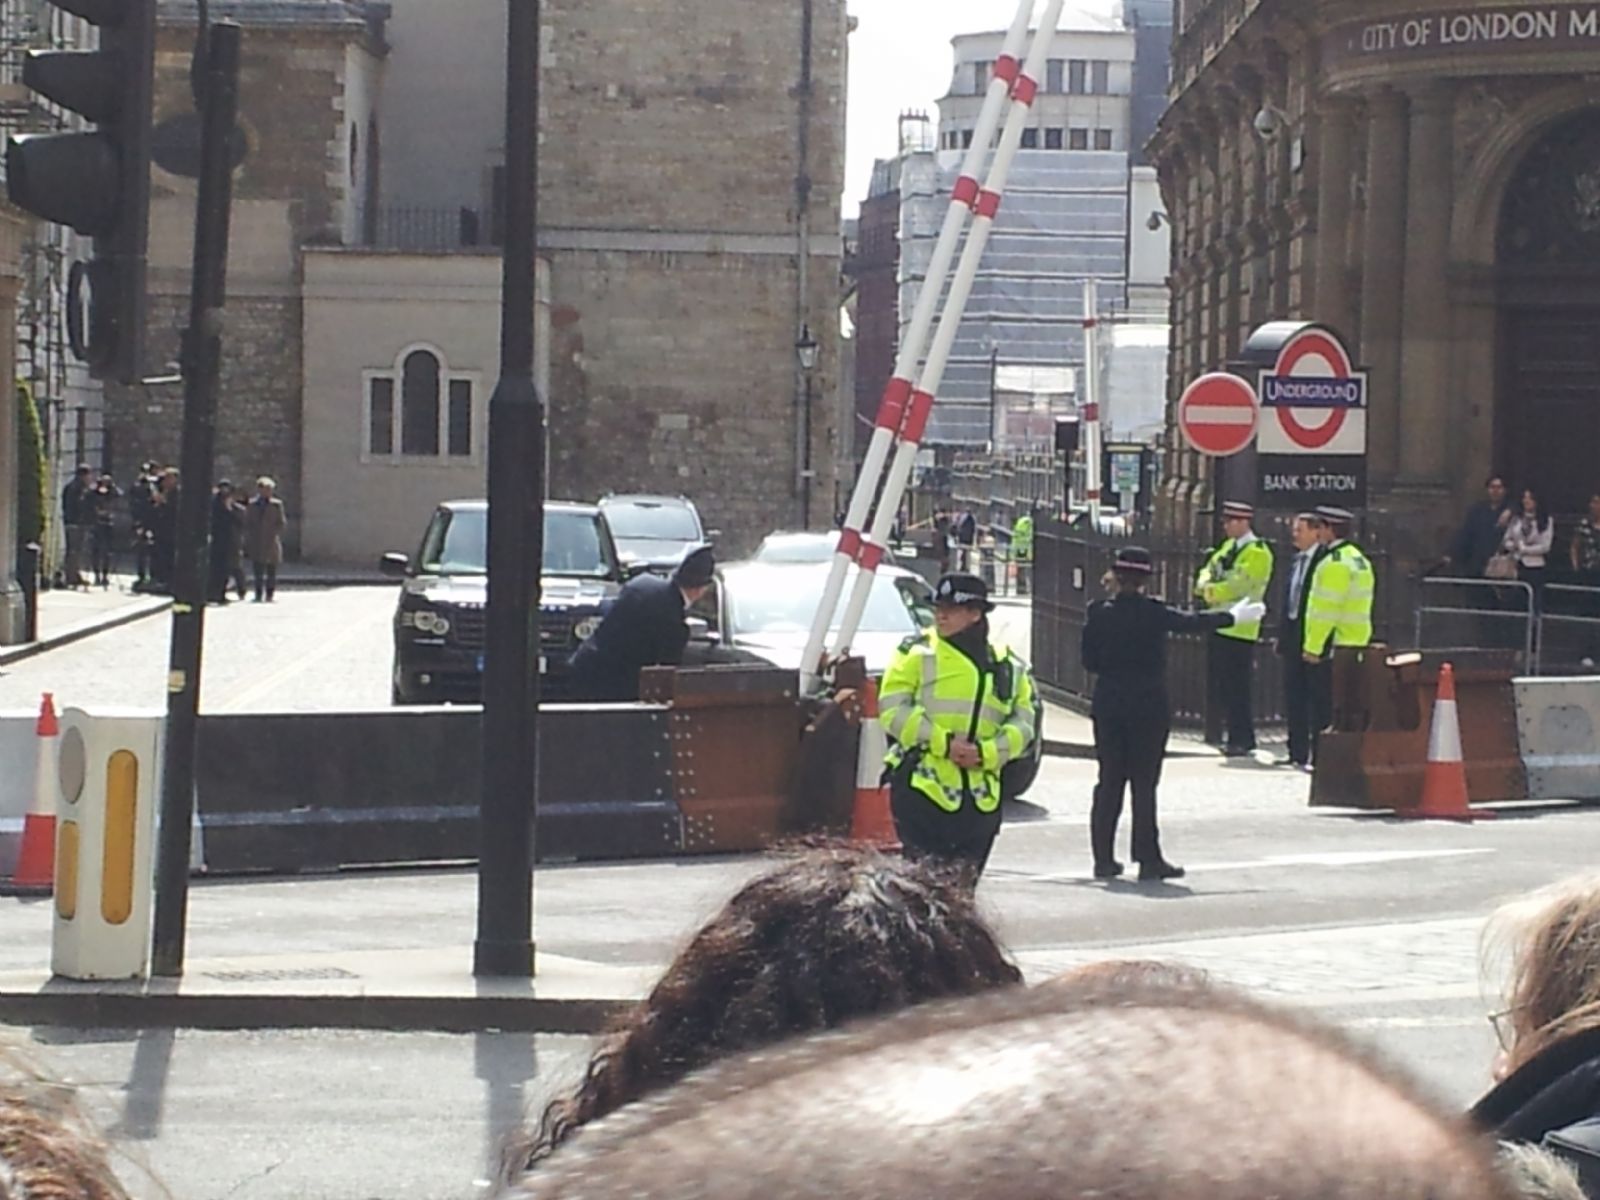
(1153, 224)
(1268, 122)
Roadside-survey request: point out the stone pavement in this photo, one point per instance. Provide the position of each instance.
(69, 616)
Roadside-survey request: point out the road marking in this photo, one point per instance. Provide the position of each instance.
(1348, 858)
(318, 653)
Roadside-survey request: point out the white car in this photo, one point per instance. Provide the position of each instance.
(808, 547)
(765, 611)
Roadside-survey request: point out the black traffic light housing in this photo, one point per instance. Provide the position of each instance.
(97, 181)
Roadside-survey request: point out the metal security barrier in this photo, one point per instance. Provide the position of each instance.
(1464, 617)
(1569, 630)
(1558, 726)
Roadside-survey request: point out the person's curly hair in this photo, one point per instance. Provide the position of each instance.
(47, 1150)
(832, 934)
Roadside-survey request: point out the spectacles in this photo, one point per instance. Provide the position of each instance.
(1504, 1030)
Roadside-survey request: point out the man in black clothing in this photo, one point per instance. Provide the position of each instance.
(1125, 647)
(1297, 673)
(1481, 533)
(644, 627)
(77, 518)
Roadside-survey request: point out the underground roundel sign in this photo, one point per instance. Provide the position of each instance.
(1312, 400)
(1217, 414)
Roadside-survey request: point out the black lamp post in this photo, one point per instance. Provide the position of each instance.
(808, 350)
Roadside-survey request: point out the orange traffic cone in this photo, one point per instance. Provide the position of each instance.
(871, 821)
(36, 860)
(1444, 781)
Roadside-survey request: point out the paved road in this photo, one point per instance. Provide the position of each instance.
(311, 649)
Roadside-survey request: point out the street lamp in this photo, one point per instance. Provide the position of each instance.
(807, 350)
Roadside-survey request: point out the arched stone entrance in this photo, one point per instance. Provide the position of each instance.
(1547, 270)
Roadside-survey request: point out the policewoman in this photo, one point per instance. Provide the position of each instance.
(1239, 568)
(1125, 648)
(957, 709)
(645, 626)
(1338, 609)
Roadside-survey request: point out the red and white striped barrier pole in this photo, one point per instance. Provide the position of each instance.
(987, 208)
(1091, 399)
(853, 547)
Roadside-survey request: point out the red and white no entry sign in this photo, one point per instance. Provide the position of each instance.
(1217, 414)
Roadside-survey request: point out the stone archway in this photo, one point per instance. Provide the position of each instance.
(1547, 291)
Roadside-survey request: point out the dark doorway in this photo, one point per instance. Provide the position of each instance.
(1547, 418)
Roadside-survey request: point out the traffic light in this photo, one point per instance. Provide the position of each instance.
(97, 180)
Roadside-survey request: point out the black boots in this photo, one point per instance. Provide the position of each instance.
(1158, 871)
(1107, 870)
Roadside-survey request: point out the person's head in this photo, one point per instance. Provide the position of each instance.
(1537, 1174)
(266, 486)
(147, 468)
(1132, 569)
(1237, 518)
(85, 474)
(47, 1150)
(696, 572)
(106, 483)
(1336, 524)
(831, 935)
(960, 602)
(1303, 533)
(1068, 1091)
(225, 488)
(1552, 938)
(169, 479)
(1529, 504)
(1495, 489)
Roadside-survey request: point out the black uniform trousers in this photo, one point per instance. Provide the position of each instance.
(1231, 662)
(1298, 676)
(1130, 750)
(961, 839)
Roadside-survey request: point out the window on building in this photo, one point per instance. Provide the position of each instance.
(966, 139)
(419, 410)
(1102, 139)
(1077, 76)
(1100, 77)
(980, 78)
(1055, 77)
(1077, 139)
(1054, 139)
(1030, 139)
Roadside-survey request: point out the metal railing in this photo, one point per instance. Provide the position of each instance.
(1465, 616)
(404, 227)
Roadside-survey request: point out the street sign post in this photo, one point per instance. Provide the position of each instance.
(1313, 441)
(1218, 414)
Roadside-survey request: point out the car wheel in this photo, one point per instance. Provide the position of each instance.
(398, 695)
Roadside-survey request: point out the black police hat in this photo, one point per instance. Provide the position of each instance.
(697, 569)
(1133, 559)
(961, 589)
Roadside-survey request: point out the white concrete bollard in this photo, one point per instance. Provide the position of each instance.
(109, 772)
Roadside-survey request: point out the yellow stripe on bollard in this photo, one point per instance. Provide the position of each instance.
(67, 870)
(122, 802)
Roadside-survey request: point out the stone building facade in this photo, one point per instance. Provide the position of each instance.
(689, 214)
(1425, 178)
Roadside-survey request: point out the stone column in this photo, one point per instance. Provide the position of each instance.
(12, 623)
(1383, 279)
(1331, 301)
(1425, 331)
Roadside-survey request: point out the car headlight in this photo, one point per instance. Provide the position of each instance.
(425, 620)
(585, 629)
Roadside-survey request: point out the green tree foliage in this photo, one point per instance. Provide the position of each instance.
(32, 500)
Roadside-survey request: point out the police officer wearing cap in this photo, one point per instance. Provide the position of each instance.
(957, 709)
(1239, 568)
(645, 626)
(1338, 609)
(1125, 648)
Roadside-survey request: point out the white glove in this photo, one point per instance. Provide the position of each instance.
(1247, 611)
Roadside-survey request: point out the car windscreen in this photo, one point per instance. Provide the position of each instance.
(802, 549)
(652, 522)
(780, 601)
(457, 543)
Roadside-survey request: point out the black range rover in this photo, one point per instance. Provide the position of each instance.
(439, 621)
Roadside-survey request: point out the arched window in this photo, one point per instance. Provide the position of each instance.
(420, 410)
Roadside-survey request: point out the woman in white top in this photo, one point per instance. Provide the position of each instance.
(1529, 537)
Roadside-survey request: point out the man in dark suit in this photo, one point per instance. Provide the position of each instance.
(644, 627)
(1297, 678)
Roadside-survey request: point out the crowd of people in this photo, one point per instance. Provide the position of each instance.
(849, 1025)
(239, 531)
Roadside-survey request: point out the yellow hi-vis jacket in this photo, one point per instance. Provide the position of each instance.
(928, 696)
(1339, 609)
(1236, 571)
